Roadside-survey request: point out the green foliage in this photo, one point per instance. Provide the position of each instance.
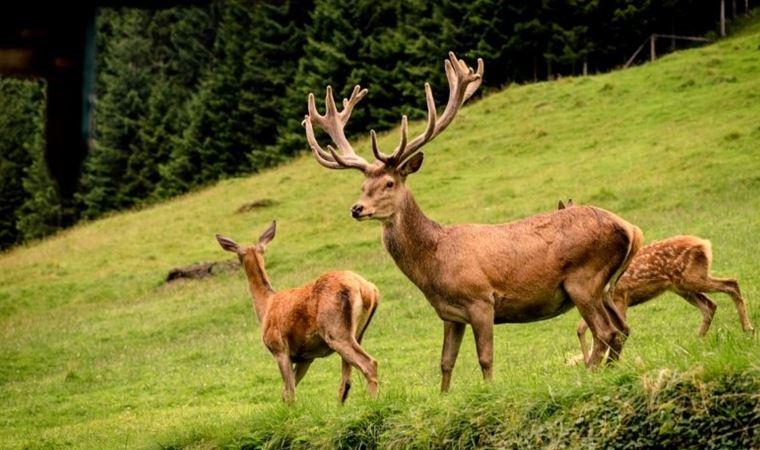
(149, 70)
(40, 214)
(19, 123)
(191, 94)
(240, 102)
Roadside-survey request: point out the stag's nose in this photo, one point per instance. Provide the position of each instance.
(356, 211)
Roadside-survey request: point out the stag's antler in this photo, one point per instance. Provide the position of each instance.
(332, 122)
(463, 82)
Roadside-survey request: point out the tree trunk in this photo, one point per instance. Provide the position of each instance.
(722, 18)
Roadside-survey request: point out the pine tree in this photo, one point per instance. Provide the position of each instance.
(151, 63)
(239, 104)
(123, 85)
(40, 214)
(20, 119)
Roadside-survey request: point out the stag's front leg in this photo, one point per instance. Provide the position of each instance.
(481, 319)
(452, 340)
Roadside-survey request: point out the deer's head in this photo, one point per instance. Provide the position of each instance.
(385, 184)
(252, 254)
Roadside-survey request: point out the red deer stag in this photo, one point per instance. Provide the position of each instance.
(528, 270)
(679, 264)
(298, 325)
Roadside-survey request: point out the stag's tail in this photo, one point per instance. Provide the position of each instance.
(635, 241)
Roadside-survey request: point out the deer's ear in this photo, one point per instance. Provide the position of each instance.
(268, 235)
(569, 202)
(228, 244)
(411, 165)
(560, 205)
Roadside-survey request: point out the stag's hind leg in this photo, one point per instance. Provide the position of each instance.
(345, 381)
(608, 332)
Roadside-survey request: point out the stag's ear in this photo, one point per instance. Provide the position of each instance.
(411, 165)
(561, 205)
(569, 202)
(268, 235)
(228, 244)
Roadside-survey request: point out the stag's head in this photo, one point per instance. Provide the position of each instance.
(385, 186)
(252, 254)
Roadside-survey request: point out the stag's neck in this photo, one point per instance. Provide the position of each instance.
(411, 238)
(260, 287)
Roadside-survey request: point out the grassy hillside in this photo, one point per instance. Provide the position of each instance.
(97, 352)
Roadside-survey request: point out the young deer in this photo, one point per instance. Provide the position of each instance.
(680, 264)
(528, 270)
(298, 325)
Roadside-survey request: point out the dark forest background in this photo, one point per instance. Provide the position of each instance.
(190, 95)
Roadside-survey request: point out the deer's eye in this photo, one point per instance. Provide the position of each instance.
(389, 184)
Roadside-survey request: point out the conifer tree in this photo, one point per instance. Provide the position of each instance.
(40, 214)
(20, 120)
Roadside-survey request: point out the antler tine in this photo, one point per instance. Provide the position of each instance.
(348, 104)
(463, 82)
(472, 87)
(375, 149)
(392, 158)
(348, 163)
(320, 155)
(332, 122)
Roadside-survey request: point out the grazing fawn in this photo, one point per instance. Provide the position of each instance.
(298, 325)
(524, 271)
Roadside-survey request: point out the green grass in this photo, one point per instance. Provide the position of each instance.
(95, 352)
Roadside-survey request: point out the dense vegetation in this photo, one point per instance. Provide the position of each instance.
(98, 353)
(189, 95)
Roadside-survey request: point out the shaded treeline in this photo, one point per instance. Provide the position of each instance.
(189, 95)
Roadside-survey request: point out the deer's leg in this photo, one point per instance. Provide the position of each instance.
(452, 340)
(345, 381)
(705, 305)
(622, 331)
(481, 320)
(581, 331)
(301, 368)
(727, 286)
(591, 304)
(731, 287)
(288, 378)
(354, 354)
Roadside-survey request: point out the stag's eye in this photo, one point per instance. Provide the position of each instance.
(389, 184)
